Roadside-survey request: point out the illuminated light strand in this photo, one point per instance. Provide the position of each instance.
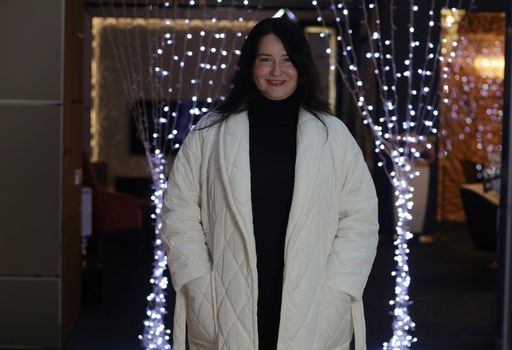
(400, 143)
(158, 128)
(219, 37)
(236, 44)
(152, 330)
(156, 335)
(153, 326)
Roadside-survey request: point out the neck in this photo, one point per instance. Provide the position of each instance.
(261, 104)
(273, 113)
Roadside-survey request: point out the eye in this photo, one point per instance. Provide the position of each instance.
(287, 59)
(264, 59)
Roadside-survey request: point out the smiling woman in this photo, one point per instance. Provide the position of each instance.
(270, 217)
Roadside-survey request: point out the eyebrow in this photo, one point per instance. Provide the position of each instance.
(267, 54)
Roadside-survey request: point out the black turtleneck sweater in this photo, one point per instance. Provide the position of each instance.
(272, 148)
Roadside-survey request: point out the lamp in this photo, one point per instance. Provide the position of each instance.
(492, 66)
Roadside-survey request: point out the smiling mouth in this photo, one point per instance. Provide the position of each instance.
(276, 82)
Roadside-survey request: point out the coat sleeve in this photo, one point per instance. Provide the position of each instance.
(182, 231)
(355, 242)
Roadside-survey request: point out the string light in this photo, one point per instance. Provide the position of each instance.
(180, 99)
(214, 58)
(398, 141)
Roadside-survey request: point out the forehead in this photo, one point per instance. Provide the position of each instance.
(271, 44)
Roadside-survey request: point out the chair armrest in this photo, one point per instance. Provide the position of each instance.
(114, 211)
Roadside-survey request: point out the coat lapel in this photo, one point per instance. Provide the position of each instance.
(236, 174)
(311, 135)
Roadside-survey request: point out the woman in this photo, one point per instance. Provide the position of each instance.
(270, 216)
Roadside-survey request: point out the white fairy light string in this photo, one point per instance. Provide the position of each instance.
(400, 133)
(178, 98)
(152, 329)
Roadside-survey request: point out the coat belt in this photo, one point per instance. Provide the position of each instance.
(180, 321)
(359, 324)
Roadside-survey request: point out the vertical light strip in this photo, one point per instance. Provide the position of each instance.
(399, 139)
(170, 79)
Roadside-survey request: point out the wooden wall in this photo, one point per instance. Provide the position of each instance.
(470, 123)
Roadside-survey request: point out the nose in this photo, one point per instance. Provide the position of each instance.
(276, 69)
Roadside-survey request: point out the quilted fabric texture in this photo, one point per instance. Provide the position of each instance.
(330, 244)
(200, 312)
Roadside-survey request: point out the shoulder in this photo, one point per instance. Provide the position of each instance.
(336, 128)
(204, 127)
(335, 125)
(321, 121)
(207, 131)
(207, 121)
(339, 135)
(327, 119)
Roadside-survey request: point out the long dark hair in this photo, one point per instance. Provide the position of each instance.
(242, 87)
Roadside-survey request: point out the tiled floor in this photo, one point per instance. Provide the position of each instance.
(452, 287)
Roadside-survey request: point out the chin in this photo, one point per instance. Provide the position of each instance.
(278, 96)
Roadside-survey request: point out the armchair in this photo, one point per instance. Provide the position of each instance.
(111, 211)
(481, 216)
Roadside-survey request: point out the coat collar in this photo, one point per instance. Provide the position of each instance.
(236, 176)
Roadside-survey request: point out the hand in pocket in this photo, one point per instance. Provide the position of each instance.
(334, 329)
(200, 315)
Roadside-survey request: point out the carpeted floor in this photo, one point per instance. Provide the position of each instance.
(452, 288)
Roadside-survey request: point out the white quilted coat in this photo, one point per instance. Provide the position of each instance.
(330, 244)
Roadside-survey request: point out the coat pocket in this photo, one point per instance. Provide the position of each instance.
(201, 315)
(334, 327)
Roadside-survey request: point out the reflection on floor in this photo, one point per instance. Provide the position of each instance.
(452, 287)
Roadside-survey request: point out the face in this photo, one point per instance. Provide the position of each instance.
(274, 74)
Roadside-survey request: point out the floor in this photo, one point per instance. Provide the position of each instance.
(452, 288)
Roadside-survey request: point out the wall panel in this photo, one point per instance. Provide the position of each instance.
(30, 311)
(30, 183)
(31, 42)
